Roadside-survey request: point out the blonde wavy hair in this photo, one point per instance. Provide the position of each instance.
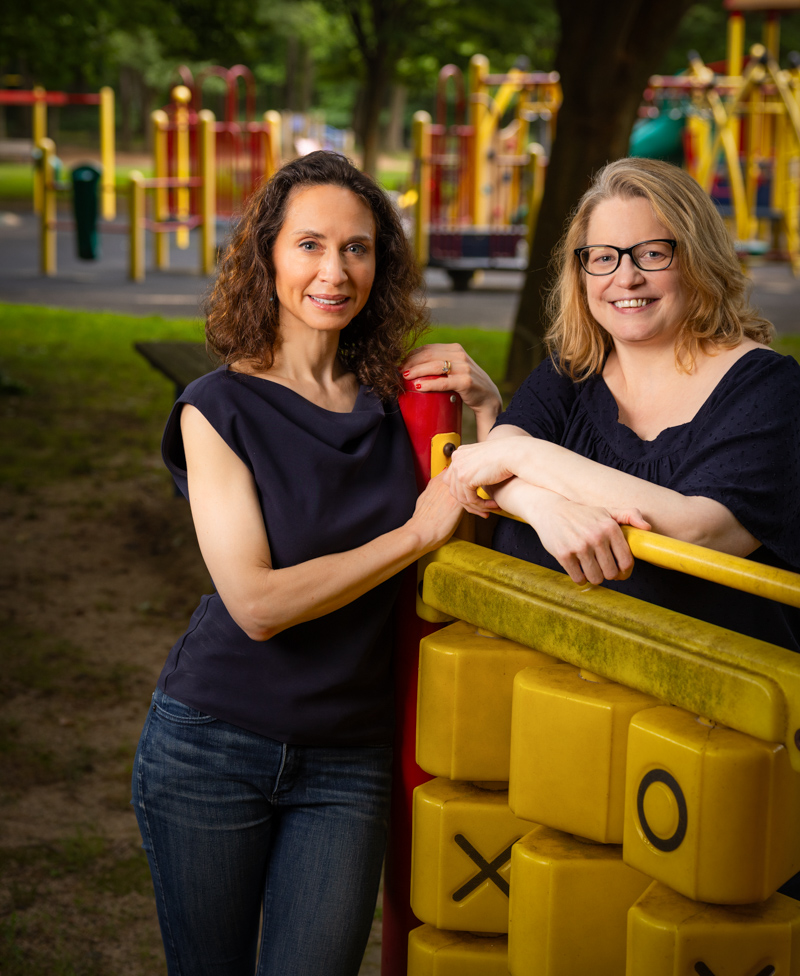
(718, 312)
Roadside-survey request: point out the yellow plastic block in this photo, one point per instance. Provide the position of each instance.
(740, 682)
(434, 952)
(568, 745)
(569, 906)
(669, 935)
(464, 704)
(461, 856)
(713, 813)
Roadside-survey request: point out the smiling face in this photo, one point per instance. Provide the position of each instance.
(635, 307)
(324, 259)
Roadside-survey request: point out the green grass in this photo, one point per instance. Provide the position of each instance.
(488, 348)
(788, 345)
(92, 405)
(16, 180)
(394, 179)
(76, 399)
(394, 172)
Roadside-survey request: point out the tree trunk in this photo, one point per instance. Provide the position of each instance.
(290, 92)
(604, 62)
(307, 80)
(375, 91)
(126, 98)
(147, 99)
(393, 140)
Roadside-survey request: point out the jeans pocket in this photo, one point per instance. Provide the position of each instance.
(174, 711)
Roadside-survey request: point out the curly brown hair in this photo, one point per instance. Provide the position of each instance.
(242, 311)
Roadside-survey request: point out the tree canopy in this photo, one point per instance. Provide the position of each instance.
(339, 55)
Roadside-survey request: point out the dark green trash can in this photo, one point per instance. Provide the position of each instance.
(86, 206)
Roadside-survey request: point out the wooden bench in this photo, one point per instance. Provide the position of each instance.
(181, 362)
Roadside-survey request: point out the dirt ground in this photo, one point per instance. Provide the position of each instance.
(96, 582)
(95, 587)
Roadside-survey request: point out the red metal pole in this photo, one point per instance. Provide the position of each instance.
(425, 414)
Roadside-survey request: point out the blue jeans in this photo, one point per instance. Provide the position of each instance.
(239, 829)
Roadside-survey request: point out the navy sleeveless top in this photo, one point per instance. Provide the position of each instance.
(742, 449)
(327, 482)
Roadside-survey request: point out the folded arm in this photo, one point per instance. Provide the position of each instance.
(233, 541)
(512, 453)
(586, 540)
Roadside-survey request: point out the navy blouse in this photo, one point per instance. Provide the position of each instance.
(742, 449)
(327, 482)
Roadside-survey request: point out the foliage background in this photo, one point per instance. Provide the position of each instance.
(304, 52)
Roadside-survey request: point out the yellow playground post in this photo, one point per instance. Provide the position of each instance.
(181, 96)
(108, 193)
(160, 123)
(181, 221)
(39, 131)
(272, 163)
(44, 182)
(421, 139)
(39, 98)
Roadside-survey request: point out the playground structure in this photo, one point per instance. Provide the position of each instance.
(603, 785)
(737, 127)
(247, 150)
(39, 99)
(205, 169)
(191, 148)
(181, 202)
(478, 184)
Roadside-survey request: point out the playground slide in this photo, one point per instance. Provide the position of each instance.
(658, 138)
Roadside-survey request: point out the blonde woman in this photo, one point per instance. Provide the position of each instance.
(660, 405)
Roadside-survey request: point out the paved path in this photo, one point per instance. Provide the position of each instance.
(104, 285)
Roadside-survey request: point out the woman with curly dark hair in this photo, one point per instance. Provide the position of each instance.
(261, 781)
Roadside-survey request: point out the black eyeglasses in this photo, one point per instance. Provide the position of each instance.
(604, 259)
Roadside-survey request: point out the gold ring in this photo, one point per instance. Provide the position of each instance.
(446, 368)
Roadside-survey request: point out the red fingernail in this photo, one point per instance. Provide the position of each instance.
(406, 372)
(418, 386)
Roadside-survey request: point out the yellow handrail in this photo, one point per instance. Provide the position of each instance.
(421, 137)
(746, 575)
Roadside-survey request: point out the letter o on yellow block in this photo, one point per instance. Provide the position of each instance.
(461, 856)
(435, 952)
(464, 705)
(713, 813)
(569, 906)
(569, 740)
(670, 935)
